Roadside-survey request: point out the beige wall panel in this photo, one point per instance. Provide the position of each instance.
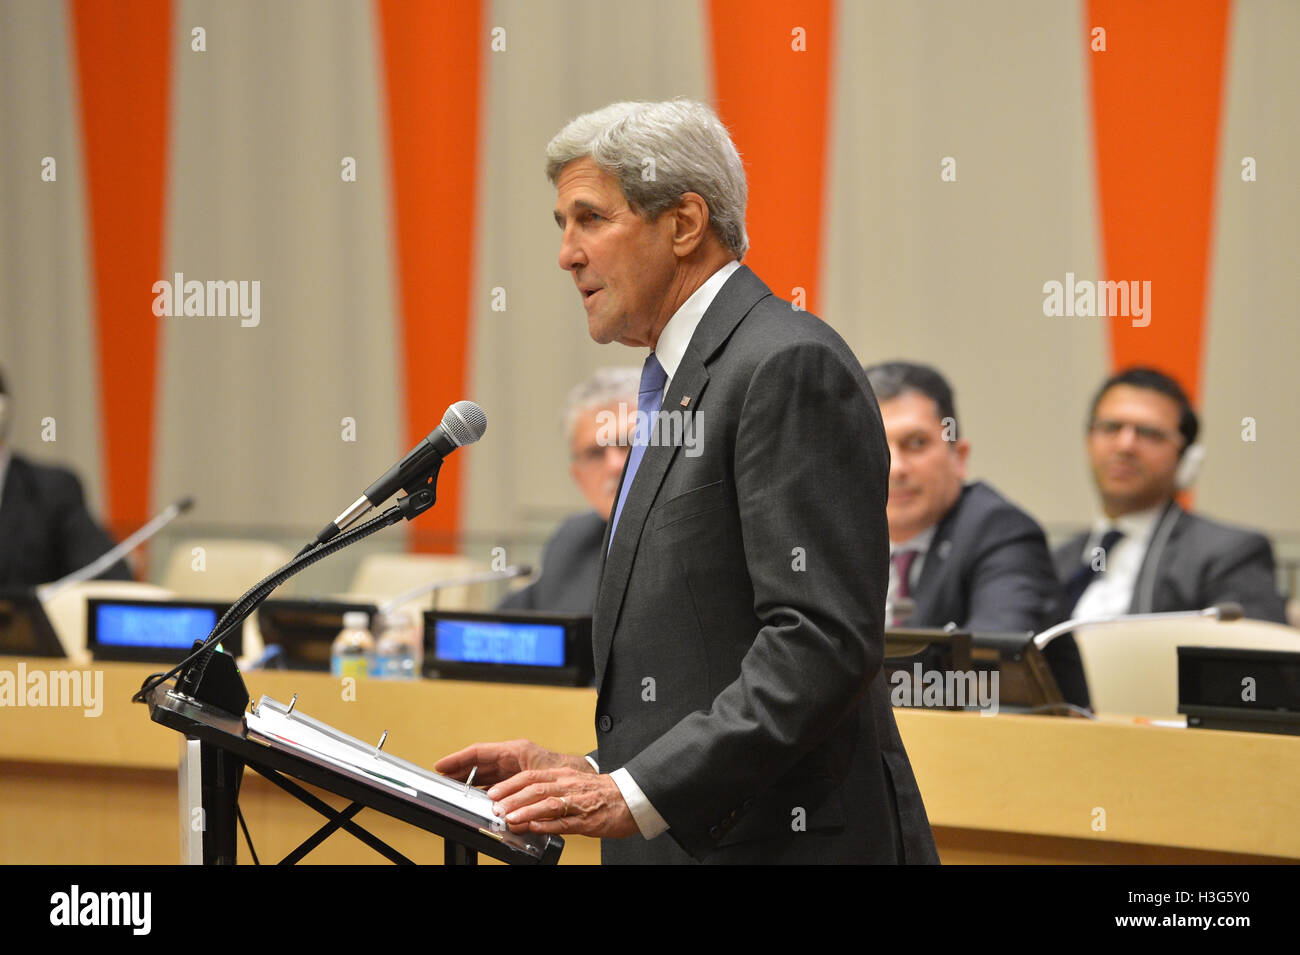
(951, 273)
(249, 418)
(47, 327)
(1253, 339)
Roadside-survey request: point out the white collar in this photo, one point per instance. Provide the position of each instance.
(681, 327)
(1136, 526)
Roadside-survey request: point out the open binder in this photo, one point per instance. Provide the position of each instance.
(282, 744)
(207, 703)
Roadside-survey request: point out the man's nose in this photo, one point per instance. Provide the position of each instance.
(1127, 438)
(571, 255)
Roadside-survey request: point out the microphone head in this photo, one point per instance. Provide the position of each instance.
(184, 504)
(1228, 610)
(464, 422)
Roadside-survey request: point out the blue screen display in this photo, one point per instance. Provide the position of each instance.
(481, 641)
(163, 625)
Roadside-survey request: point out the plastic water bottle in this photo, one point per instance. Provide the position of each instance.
(352, 654)
(400, 648)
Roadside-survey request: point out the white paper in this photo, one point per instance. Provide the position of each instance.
(299, 731)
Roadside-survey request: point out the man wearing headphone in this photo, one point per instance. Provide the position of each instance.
(1146, 554)
(45, 529)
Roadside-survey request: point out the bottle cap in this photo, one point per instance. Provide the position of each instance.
(356, 620)
(396, 619)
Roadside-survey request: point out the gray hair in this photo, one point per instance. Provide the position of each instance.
(658, 152)
(605, 388)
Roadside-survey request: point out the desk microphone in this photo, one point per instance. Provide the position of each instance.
(483, 577)
(1223, 612)
(96, 567)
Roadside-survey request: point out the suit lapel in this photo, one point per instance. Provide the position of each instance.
(15, 510)
(927, 584)
(927, 590)
(1156, 560)
(740, 293)
(690, 380)
(1073, 555)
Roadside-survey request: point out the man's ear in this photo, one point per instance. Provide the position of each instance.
(961, 448)
(690, 221)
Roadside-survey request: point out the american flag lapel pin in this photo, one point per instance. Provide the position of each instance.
(686, 400)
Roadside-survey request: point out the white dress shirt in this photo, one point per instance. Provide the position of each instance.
(679, 331)
(674, 338)
(1111, 593)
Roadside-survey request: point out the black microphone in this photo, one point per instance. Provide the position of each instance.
(107, 560)
(462, 424)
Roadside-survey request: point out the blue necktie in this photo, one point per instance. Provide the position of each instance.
(653, 379)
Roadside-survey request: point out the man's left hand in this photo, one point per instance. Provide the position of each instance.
(563, 801)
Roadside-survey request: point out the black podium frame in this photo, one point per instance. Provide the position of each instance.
(225, 749)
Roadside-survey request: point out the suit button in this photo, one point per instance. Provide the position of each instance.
(606, 723)
(715, 833)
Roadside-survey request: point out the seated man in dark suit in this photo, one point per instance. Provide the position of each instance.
(596, 422)
(45, 530)
(1146, 554)
(960, 553)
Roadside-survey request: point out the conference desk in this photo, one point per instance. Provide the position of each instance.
(1007, 788)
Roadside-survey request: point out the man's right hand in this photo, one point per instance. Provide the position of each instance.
(500, 761)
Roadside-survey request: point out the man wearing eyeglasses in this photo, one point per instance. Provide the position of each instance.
(596, 420)
(1145, 554)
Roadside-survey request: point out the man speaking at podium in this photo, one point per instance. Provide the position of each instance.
(742, 714)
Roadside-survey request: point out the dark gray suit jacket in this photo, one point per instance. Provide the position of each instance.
(1201, 563)
(988, 568)
(45, 529)
(570, 568)
(738, 632)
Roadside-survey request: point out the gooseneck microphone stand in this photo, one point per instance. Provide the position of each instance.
(209, 676)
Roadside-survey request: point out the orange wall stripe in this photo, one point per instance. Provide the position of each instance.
(432, 62)
(775, 100)
(124, 77)
(1156, 98)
